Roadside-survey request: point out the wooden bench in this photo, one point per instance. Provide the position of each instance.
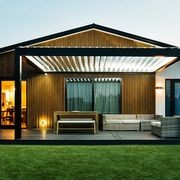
(70, 122)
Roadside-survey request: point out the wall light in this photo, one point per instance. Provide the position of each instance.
(43, 124)
(158, 87)
(45, 74)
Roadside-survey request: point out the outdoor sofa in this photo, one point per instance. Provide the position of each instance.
(167, 127)
(129, 121)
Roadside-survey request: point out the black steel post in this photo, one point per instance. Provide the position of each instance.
(18, 78)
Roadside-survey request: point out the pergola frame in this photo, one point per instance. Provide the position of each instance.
(60, 51)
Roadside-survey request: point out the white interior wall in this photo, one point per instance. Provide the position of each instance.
(172, 72)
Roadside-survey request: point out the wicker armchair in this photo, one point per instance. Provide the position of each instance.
(168, 127)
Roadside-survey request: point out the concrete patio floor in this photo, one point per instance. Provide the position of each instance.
(36, 134)
(47, 137)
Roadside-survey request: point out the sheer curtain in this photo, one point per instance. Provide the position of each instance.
(107, 97)
(79, 96)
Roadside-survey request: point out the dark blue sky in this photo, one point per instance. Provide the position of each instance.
(22, 20)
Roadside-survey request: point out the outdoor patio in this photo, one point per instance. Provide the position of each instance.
(36, 134)
(47, 137)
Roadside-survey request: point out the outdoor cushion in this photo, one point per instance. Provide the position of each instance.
(158, 124)
(131, 121)
(114, 121)
(119, 116)
(145, 116)
(75, 119)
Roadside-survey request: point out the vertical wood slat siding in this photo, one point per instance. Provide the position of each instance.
(46, 94)
(93, 38)
(138, 94)
(7, 64)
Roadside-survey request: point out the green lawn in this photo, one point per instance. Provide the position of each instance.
(90, 162)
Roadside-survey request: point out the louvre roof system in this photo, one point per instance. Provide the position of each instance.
(99, 63)
(96, 59)
(93, 79)
(101, 59)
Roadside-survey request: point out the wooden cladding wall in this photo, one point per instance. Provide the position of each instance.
(94, 38)
(46, 94)
(138, 94)
(7, 64)
(7, 69)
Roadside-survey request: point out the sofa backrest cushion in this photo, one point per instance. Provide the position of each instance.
(145, 116)
(76, 119)
(118, 116)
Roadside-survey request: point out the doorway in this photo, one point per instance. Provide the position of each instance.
(173, 97)
(8, 104)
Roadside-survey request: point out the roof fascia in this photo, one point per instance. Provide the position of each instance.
(36, 51)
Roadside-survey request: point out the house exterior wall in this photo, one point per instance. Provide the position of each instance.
(93, 38)
(172, 72)
(46, 94)
(7, 69)
(7, 64)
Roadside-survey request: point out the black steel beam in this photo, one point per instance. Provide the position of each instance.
(143, 52)
(18, 78)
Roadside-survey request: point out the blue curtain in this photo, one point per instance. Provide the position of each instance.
(107, 97)
(79, 96)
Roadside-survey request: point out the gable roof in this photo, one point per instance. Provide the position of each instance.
(85, 28)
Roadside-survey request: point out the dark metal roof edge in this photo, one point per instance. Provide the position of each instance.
(83, 28)
(132, 36)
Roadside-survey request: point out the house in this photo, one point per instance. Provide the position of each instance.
(76, 70)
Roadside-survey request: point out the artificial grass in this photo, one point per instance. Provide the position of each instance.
(90, 162)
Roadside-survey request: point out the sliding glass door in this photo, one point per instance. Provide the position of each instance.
(177, 98)
(172, 97)
(107, 97)
(79, 96)
(8, 104)
(102, 95)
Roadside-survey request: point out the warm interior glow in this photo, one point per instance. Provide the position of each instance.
(7, 90)
(8, 103)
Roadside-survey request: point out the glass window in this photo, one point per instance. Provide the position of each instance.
(8, 103)
(168, 97)
(93, 95)
(79, 96)
(107, 97)
(177, 98)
